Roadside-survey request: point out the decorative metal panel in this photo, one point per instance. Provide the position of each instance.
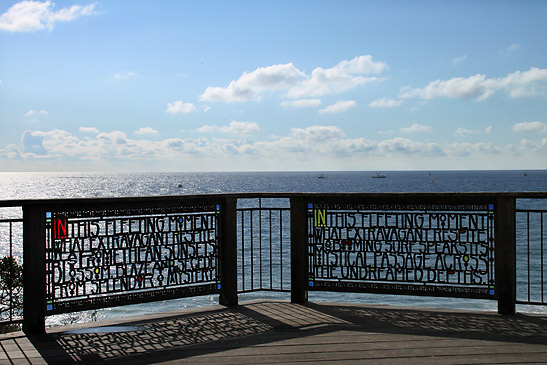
(100, 258)
(417, 249)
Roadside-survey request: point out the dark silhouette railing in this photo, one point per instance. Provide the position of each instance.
(83, 254)
(11, 290)
(531, 256)
(263, 244)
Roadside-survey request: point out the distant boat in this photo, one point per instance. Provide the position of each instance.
(525, 173)
(379, 176)
(180, 186)
(322, 176)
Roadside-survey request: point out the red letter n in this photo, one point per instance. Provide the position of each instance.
(59, 228)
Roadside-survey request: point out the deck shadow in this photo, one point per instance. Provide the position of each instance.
(260, 322)
(519, 328)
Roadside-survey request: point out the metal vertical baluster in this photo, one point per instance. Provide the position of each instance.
(11, 258)
(281, 246)
(271, 263)
(252, 251)
(528, 246)
(243, 250)
(541, 242)
(260, 238)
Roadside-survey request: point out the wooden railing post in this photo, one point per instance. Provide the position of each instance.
(228, 252)
(34, 269)
(505, 255)
(299, 257)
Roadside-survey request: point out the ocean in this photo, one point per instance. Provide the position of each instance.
(73, 185)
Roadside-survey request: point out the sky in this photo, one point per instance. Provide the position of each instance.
(272, 86)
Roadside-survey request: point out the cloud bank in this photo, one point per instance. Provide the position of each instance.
(302, 148)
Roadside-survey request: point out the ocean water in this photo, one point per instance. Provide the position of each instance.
(72, 185)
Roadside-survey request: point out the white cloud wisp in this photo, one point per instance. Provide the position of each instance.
(237, 128)
(251, 85)
(535, 127)
(338, 107)
(28, 16)
(517, 84)
(178, 107)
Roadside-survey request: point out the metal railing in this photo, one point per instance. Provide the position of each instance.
(263, 242)
(11, 247)
(531, 256)
(263, 237)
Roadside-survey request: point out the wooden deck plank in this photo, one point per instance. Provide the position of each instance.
(281, 332)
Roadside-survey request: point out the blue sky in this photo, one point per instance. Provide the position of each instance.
(284, 85)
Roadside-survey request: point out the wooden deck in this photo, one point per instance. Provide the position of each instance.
(262, 332)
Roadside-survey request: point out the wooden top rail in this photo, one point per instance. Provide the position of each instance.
(251, 195)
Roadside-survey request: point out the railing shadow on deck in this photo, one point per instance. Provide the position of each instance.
(267, 322)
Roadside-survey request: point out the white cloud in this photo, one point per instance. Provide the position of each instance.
(416, 128)
(32, 142)
(385, 103)
(27, 16)
(11, 153)
(207, 129)
(386, 132)
(251, 85)
(458, 87)
(241, 128)
(146, 130)
(346, 75)
(317, 133)
(123, 75)
(526, 83)
(407, 146)
(536, 127)
(31, 113)
(338, 107)
(178, 107)
(88, 130)
(460, 132)
(238, 128)
(459, 59)
(511, 49)
(469, 149)
(54, 143)
(517, 84)
(302, 103)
